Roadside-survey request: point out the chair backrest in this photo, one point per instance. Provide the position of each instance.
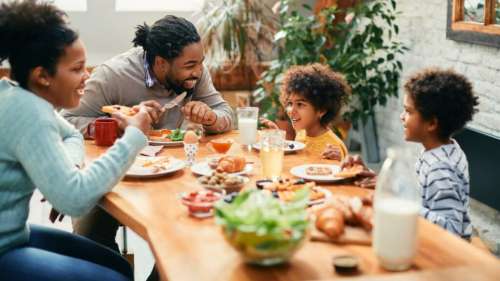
(483, 154)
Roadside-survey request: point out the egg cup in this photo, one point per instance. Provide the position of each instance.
(190, 149)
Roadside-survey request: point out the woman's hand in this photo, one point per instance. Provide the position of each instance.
(141, 120)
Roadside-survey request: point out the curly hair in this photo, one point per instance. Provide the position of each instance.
(325, 89)
(32, 34)
(444, 95)
(166, 38)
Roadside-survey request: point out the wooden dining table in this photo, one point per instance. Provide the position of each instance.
(186, 248)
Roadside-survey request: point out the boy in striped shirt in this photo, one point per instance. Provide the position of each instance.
(437, 104)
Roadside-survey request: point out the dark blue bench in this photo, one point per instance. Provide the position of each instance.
(483, 153)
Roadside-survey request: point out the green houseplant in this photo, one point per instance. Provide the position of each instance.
(238, 36)
(363, 48)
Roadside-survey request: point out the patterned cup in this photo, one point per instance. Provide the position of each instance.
(190, 150)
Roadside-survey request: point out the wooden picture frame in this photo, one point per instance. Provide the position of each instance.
(486, 33)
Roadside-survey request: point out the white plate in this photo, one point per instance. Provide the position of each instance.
(166, 143)
(138, 171)
(300, 171)
(297, 146)
(244, 181)
(203, 169)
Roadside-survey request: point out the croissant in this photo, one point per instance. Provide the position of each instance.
(365, 217)
(342, 204)
(231, 164)
(330, 221)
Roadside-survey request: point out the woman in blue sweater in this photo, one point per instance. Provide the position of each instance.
(39, 149)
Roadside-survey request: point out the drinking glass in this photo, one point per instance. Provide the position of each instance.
(272, 144)
(247, 125)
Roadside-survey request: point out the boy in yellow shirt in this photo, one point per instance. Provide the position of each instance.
(313, 96)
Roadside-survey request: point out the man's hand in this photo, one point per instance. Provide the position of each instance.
(153, 108)
(199, 112)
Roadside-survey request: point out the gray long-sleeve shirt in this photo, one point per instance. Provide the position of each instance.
(121, 80)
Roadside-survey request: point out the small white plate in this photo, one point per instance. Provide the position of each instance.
(300, 171)
(203, 169)
(244, 181)
(138, 171)
(290, 146)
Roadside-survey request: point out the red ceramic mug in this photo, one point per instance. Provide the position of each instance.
(105, 131)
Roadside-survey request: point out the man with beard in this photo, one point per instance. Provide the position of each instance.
(166, 65)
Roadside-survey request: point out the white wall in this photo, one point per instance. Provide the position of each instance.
(423, 28)
(107, 32)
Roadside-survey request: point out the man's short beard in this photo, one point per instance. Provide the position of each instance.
(178, 89)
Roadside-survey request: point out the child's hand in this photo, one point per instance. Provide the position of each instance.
(369, 182)
(368, 177)
(352, 160)
(332, 152)
(268, 123)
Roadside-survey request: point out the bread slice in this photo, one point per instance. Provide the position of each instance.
(350, 172)
(118, 108)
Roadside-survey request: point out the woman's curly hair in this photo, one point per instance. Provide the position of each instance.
(444, 95)
(325, 89)
(32, 34)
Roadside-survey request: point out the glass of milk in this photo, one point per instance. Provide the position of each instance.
(397, 207)
(247, 125)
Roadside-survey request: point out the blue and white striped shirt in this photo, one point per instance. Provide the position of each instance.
(443, 175)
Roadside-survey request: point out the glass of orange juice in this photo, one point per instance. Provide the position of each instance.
(272, 153)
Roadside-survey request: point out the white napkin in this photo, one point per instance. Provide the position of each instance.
(151, 150)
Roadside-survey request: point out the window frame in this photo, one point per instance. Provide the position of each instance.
(166, 8)
(487, 33)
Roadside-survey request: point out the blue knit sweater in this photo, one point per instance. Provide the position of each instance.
(39, 149)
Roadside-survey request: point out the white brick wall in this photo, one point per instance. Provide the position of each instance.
(423, 28)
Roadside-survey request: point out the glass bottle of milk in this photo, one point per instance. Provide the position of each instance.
(397, 205)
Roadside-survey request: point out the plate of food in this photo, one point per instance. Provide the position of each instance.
(289, 147)
(317, 172)
(151, 167)
(234, 165)
(166, 137)
(285, 190)
(218, 181)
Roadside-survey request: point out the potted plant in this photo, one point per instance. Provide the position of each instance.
(238, 37)
(362, 46)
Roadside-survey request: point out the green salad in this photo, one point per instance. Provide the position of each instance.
(176, 135)
(261, 226)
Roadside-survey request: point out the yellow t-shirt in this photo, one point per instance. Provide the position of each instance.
(316, 145)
